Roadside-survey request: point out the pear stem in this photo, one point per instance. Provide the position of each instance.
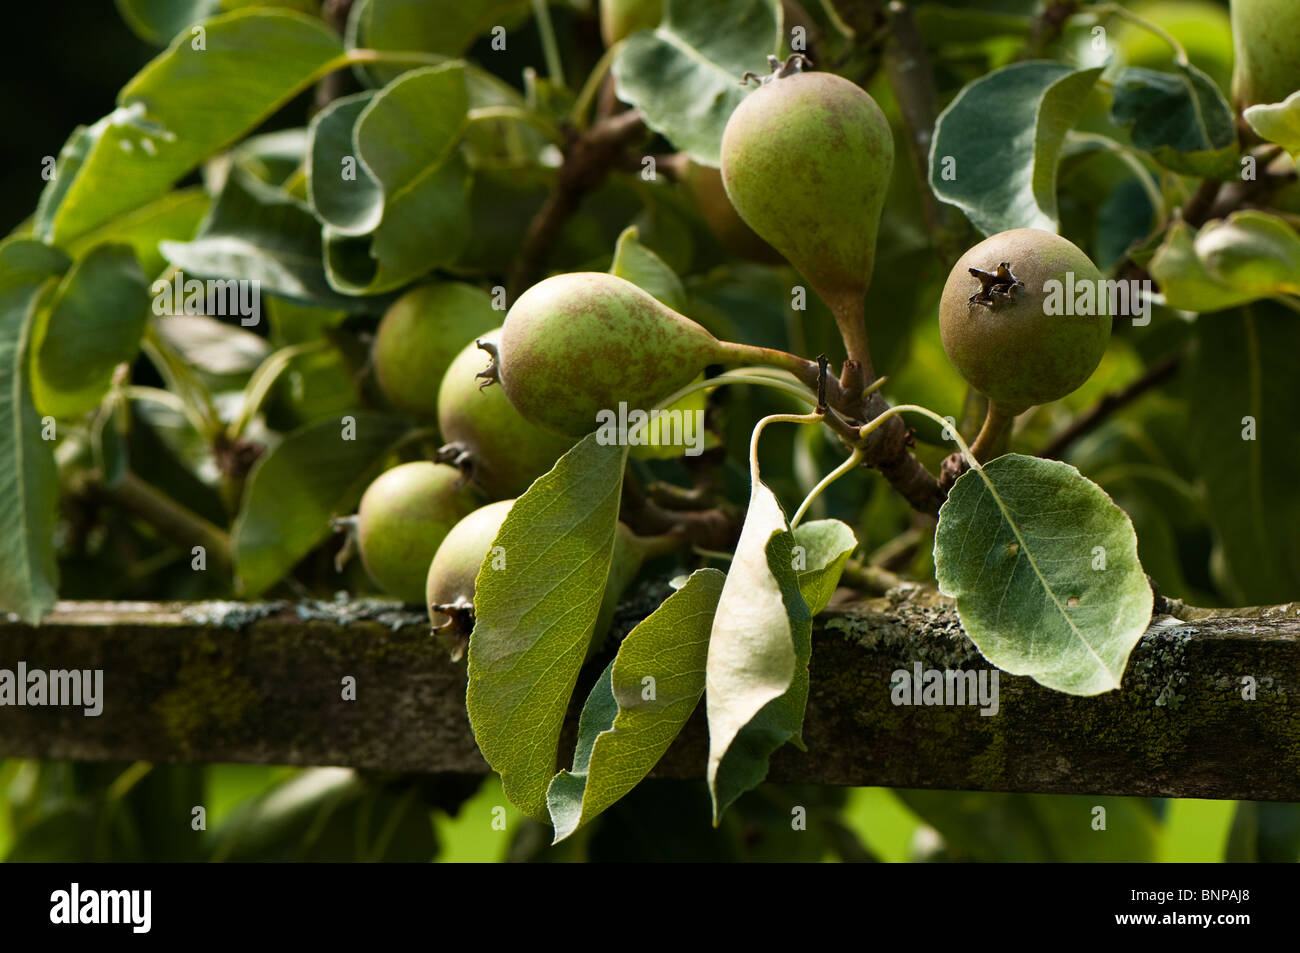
(992, 439)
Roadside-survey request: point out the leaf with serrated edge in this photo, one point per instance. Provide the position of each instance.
(1017, 547)
(757, 672)
(406, 138)
(94, 323)
(168, 121)
(621, 734)
(29, 483)
(351, 206)
(1278, 122)
(1005, 131)
(684, 76)
(1180, 117)
(827, 545)
(535, 617)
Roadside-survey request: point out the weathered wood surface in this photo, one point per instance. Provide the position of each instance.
(262, 683)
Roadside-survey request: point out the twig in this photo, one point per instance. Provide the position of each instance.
(1047, 26)
(335, 14)
(587, 160)
(910, 78)
(174, 522)
(1085, 423)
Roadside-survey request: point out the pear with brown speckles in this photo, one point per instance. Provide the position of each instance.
(806, 160)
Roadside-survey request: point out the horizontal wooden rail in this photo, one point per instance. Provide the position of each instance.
(264, 683)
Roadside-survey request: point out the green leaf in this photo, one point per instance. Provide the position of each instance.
(622, 734)
(1045, 572)
(443, 27)
(820, 549)
(1245, 257)
(757, 672)
(340, 188)
(186, 105)
(29, 484)
(95, 323)
(173, 217)
(407, 138)
(993, 827)
(535, 618)
(1244, 394)
(157, 21)
(1179, 117)
(639, 265)
(1264, 832)
(1278, 122)
(315, 473)
(685, 75)
(257, 233)
(997, 145)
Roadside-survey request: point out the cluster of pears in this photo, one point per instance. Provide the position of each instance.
(426, 359)
(424, 529)
(806, 160)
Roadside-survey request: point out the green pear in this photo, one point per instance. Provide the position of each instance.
(1266, 41)
(504, 453)
(806, 160)
(578, 344)
(705, 185)
(419, 336)
(1002, 336)
(403, 517)
(618, 18)
(450, 580)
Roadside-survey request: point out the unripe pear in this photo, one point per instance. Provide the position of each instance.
(502, 452)
(997, 329)
(578, 344)
(420, 335)
(1266, 42)
(618, 18)
(455, 566)
(404, 516)
(806, 160)
(453, 573)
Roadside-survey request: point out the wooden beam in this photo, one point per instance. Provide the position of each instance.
(263, 683)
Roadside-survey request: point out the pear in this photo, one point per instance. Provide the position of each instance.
(450, 580)
(1266, 41)
(578, 344)
(453, 573)
(403, 517)
(504, 453)
(997, 329)
(618, 18)
(806, 160)
(419, 336)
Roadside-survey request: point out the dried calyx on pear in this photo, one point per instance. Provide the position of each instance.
(1011, 322)
(490, 441)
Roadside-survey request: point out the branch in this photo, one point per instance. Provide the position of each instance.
(1087, 422)
(250, 683)
(910, 77)
(587, 160)
(173, 521)
(1047, 26)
